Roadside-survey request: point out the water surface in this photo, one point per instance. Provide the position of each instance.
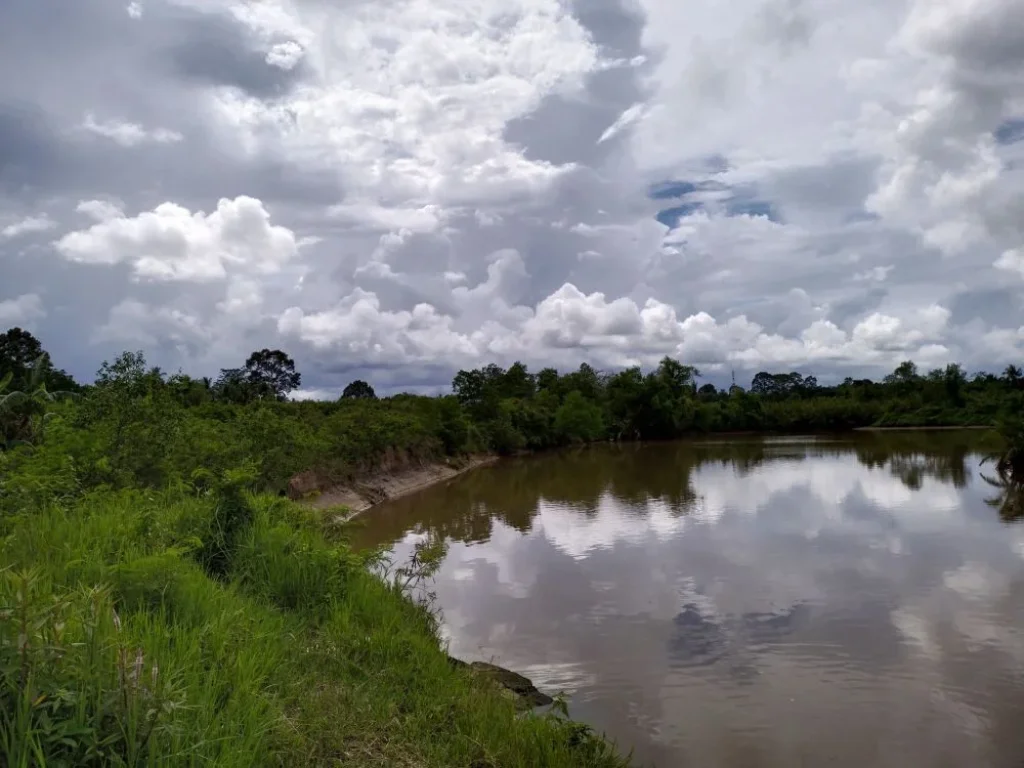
(787, 602)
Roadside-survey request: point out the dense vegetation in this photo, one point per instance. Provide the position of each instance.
(516, 409)
(162, 604)
(159, 605)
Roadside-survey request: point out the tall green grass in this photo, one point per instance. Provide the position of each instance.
(206, 625)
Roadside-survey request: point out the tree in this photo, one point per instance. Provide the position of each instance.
(469, 387)
(1013, 376)
(904, 377)
(708, 391)
(547, 379)
(578, 420)
(518, 382)
(954, 380)
(454, 426)
(19, 350)
(272, 374)
(23, 413)
(676, 375)
(358, 390)
(189, 391)
(21, 353)
(233, 386)
(584, 379)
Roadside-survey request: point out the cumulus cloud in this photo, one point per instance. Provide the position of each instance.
(172, 243)
(791, 184)
(23, 309)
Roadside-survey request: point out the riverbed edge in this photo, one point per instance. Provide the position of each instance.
(373, 488)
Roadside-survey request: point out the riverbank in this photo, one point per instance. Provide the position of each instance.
(220, 627)
(168, 606)
(930, 428)
(390, 481)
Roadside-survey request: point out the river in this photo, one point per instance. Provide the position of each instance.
(785, 602)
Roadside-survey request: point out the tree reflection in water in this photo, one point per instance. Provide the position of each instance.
(514, 491)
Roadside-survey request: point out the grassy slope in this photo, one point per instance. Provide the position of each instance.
(136, 655)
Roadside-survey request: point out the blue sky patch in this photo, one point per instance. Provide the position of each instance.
(737, 201)
(1011, 131)
(667, 190)
(671, 217)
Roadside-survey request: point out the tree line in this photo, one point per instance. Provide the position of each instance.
(512, 409)
(525, 410)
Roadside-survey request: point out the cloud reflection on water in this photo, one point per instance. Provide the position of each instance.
(820, 581)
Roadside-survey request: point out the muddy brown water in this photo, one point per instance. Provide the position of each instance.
(853, 601)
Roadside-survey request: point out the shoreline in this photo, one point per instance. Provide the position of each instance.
(386, 484)
(953, 428)
(375, 488)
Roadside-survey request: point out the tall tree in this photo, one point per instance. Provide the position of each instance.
(358, 390)
(272, 374)
(21, 354)
(19, 351)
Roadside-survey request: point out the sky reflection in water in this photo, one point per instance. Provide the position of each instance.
(750, 603)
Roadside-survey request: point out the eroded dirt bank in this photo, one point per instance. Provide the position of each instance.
(395, 477)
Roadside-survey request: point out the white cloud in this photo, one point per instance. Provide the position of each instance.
(99, 210)
(358, 328)
(474, 179)
(631, 116)
(409, 99)
(1012, 261)
(886, 332)
(134, 10)
(285, 55)
(426, 218)
(129, 134)
(570, 326)
(22, 309)
(943, 174)
(171, 243)
(28, 226)
(134, 322)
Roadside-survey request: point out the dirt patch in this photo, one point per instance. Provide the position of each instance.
(392, 479)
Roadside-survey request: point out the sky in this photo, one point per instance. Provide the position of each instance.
(396, 189)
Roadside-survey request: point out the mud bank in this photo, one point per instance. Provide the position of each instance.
(392, 480)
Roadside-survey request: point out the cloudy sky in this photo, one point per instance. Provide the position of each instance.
(394, 189)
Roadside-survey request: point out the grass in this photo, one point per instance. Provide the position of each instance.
(219, 627)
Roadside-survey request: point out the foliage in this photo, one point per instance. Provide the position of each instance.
(203, 623)
(515, 409)
(162, 605)
(23, 413)
(578, 420)
(272, 374)
(359, 389)
(268, 374)
(22, 356)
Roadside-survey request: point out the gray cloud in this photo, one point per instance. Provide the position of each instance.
(434, 195)
(215, 51)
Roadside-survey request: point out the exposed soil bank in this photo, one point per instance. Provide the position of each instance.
(393, 479)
